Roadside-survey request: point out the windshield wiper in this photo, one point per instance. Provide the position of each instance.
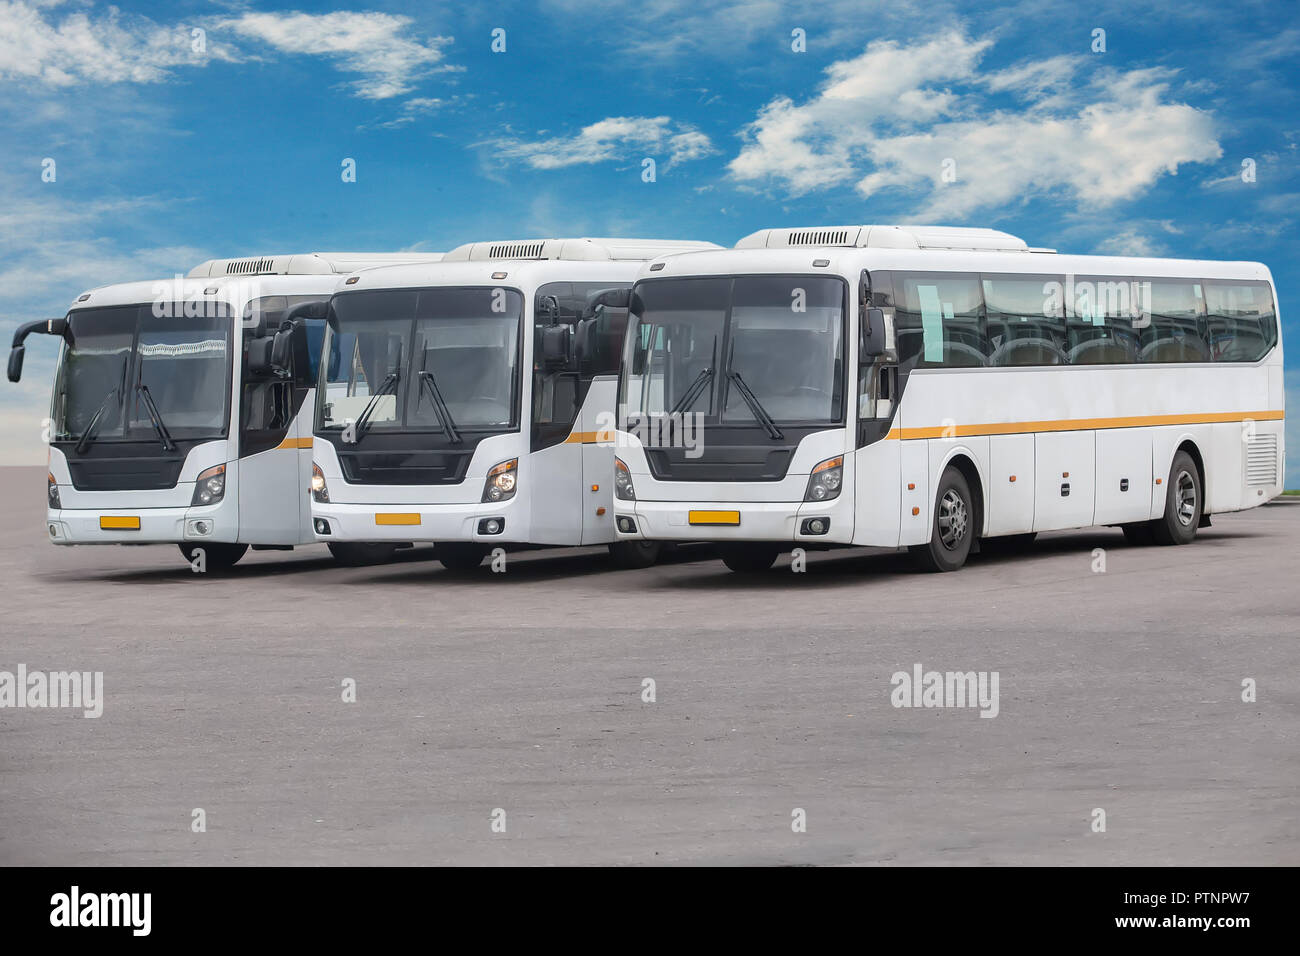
(756, 407)
(691, 394)
(84, 441)
(697, 387)
(439, 406)
(155, 417)
(363, 420)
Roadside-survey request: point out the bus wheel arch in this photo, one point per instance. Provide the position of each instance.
(961, 460)
(1188, 445)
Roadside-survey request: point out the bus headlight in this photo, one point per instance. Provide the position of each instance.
(52, 489)
(501, 481)
(623, 489)
(319, 491)
(210, 486)
(825, 481)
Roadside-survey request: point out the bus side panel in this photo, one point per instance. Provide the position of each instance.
(268, 494)
(1123, 475)
(876, 494)
(1064, 479)
(915, 461)
(1011, 484)
(306, 416)
(1224, 467)
(598, 460)
(554, 482)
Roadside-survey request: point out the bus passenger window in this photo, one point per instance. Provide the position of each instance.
(1241, 323)
(1102, 323)
(940, 322)
(1173, 311)
(1026, 320)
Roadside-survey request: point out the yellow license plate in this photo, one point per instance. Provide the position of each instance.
(119, 523)
(714, 517)
(404, 518)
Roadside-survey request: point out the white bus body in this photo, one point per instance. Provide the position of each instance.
(443, 417)
(1058, 402)
(210, 477)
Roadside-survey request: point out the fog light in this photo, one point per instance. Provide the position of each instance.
(200, 528)
(321, 525)
(815, 526)
(54, 531)
(492, 526)
(626, 525)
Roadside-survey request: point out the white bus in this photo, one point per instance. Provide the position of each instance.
(459, 403)
(928, 387)
(171, 423)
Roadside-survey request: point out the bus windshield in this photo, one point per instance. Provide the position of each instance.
(737, 351)
(123, 359)
(427, 360)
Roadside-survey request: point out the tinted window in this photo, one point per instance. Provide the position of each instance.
(940, 320)
(1171, 321)
(1241, 325)
(1100, 320)
(1025, 320)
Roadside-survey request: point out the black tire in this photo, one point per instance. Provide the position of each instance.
(633, 554)
(1184, 502)
(748, 558)
(953, 526)
(1008, 543)
(1138, 533)
(216, 555)
(460, 558)
(353, 555)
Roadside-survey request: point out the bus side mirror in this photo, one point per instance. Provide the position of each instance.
(16, 363)
(282, 350)
(557, 345)
(873, 333)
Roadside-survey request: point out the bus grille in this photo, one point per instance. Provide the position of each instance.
(1261, 460)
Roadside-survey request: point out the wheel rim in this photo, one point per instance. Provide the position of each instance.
(952, 519)
(1185, 489)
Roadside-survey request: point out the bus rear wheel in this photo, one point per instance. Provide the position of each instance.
(1183, 503)
(353, 555)
(953, 526)
(633, 554)
(459, 557)
(216, 556)
(748, 558)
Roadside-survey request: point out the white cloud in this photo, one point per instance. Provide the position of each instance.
(614, 138)
(74, 48)
(890, 118)
(1130, 242)
(379, 46)
(110, 48)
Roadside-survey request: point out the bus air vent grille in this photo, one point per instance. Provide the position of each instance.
(517, 250)
(247, 267)
(1261, 460)
(818, 237)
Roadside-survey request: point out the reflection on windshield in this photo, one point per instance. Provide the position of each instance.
(701, 344)
(450, 358)
(122, 357)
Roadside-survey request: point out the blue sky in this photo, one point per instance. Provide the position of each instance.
(166, 155)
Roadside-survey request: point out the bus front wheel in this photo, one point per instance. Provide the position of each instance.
(953, 526)
(216, 556)
(360, 555)
(633, 554)
(748, 558)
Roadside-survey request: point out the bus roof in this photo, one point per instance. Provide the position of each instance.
(307, 263)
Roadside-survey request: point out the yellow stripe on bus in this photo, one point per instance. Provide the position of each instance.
(1077, 424)
(589, 438)
(295, 443)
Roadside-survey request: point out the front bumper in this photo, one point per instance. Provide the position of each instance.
(69, 526)
(758, 521)
(419, 522)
